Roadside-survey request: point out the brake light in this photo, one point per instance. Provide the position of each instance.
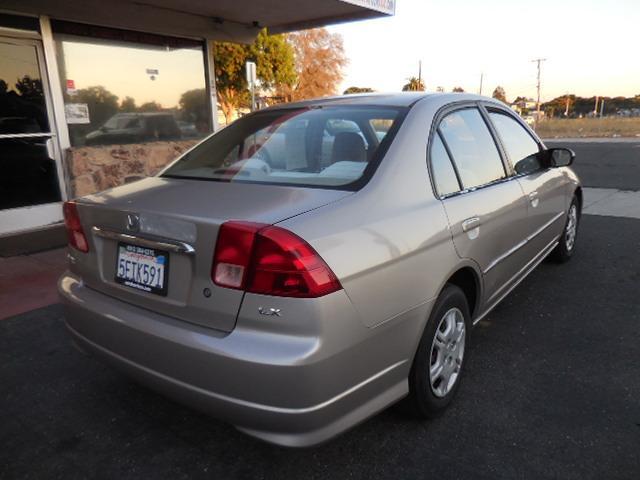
(75, 233)
(270, 260)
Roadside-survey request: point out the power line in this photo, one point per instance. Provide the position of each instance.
(539, 62)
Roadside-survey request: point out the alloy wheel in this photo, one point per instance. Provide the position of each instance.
(447, 352)
(572, 227)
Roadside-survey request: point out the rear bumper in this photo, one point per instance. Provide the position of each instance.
(290, 389)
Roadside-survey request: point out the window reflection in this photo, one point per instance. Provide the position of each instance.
(28, 175)
(22, 104)
(120, 91)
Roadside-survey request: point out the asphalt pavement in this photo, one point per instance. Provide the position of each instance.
(552, 390)
(605, 163)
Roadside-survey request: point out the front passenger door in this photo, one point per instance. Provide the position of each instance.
(487, 212)
(543, 187)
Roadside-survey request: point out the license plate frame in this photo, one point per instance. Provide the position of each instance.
(141, 279)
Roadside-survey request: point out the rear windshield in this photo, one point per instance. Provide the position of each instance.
(329, 147)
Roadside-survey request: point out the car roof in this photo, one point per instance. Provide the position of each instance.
(398, 99)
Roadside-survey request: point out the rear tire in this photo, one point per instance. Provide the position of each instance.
(567, 242)
(442, 353)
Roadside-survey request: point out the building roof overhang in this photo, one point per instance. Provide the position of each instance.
(230, 20)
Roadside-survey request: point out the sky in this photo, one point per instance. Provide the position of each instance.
(590, 46)
(178, 71)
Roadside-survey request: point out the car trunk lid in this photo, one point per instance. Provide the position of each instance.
(179, 219)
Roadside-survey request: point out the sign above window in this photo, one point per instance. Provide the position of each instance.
(384, 6)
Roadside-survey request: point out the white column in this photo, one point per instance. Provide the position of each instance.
(55, 86)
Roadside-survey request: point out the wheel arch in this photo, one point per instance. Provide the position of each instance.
(578, 195)
(467, 277)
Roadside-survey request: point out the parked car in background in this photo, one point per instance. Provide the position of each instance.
(313, 263)
(188, 129)
(135, 128)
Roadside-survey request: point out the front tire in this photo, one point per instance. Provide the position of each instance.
(439, 362)
(567, 243)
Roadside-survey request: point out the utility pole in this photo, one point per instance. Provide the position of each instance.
(595, 107)
(538, 61)
(481, 79)
(419, 73)
(566, 110)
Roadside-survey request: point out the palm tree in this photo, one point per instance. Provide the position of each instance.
(414, 85)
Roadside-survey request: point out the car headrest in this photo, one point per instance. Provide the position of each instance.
(348, 146)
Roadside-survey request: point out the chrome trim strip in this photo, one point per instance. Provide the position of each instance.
(27, 135)
(527, 269)
(521, 244)
(146, 241)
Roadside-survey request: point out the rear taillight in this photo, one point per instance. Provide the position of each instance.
(270, 260)
(77, 239)
(233, 253)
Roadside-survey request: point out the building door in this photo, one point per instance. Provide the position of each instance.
(30, 166)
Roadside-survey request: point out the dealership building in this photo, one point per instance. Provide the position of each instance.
(94, 94)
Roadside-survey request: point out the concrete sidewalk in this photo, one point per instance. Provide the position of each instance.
(611, 202)
(28, 282)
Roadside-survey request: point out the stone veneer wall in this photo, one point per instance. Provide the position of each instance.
(92, 169)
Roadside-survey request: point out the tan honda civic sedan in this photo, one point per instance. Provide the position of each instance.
(313, 263)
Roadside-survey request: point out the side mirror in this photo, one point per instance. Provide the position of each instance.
(560, 157)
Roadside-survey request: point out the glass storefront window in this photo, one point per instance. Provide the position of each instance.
(28, 174)
(126, 87)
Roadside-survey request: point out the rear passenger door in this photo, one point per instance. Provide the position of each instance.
(485, 205)
(543, 187)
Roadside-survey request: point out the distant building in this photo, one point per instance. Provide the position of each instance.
(523, 105)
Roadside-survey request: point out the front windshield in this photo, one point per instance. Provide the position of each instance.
(330, 146)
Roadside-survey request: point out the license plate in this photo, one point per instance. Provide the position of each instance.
(142, 268)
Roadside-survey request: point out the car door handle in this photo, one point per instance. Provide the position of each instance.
(470, 224)
(533, 199)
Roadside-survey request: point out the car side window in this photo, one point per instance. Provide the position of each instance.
(472, 147)
(519, 145)
(444, 176)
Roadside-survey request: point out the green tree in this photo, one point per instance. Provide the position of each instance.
(413, 85)
(499, 94)
(101, 102)
(195, 108)
(150, 107)
(128, 104)
(274, 68)
(231, 84)
(275, 62)
(458, 90)
(559, 105)
(351, 90)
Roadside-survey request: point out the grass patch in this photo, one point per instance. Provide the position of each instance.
(589, 127)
